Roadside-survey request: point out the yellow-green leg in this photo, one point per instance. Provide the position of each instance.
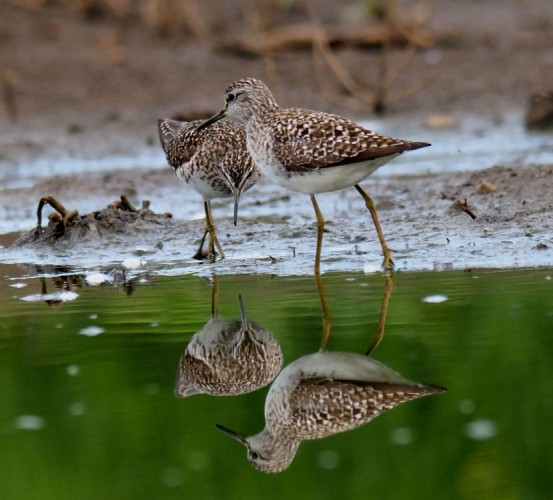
(200, 254)
(213, 241)
(214, 296)
(388, 263)
(379, 334)
(327, 321)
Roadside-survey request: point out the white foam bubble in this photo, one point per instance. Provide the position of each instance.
(434, 299)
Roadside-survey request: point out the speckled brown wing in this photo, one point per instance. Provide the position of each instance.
(179, 140)
(305, 139)
(322, 406)
(223, 143)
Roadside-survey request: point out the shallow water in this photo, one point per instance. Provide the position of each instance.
(478, 142)
(88, 354)
(88, 409)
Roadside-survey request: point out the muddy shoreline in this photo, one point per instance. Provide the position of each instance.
(423, 219)
(77, 109)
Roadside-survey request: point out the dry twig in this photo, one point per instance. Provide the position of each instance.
(464, 206)
(373, 97)
(10, 78)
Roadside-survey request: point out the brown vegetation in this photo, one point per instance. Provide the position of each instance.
(264, 28)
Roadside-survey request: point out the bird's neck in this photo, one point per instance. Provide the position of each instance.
(277, 444)
(258, 118)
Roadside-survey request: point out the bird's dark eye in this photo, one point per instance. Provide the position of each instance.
(231, 97)
(254, 455)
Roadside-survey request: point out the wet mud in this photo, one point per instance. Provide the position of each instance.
(88, 147)
(426, 221)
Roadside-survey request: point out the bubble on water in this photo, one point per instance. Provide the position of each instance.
(93, 316)
(77, 409)
(151, 388)
(64, 296)
(328, 459)
(402, 436)
(481, 429)
(19, 284)
(73, 370)
(172, 477)
(91, 331)
(467, 406)
(29, 422)
(96, 278)
(434, 299)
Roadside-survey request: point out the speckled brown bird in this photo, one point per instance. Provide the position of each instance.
(309, 151)
(320, 395)
(228, 357)
(214, 162)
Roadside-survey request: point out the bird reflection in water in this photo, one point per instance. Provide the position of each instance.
(64, 283)
(67, 283)
(321, 394)
(228, 357)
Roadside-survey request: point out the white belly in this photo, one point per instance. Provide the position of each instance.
(208, 186)
(322, 180)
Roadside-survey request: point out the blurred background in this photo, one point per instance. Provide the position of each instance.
(84, 61)
(88, 409)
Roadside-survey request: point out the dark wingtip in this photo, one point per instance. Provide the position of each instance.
(435, 389)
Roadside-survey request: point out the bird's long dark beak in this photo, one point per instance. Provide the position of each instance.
(212, 120)
(242, 311)
(236, 200)
(232, 434)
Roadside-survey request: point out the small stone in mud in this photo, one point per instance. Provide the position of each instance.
(435, 122)
(542, 246)
(485, 187)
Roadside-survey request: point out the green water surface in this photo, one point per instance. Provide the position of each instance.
(95, 416)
